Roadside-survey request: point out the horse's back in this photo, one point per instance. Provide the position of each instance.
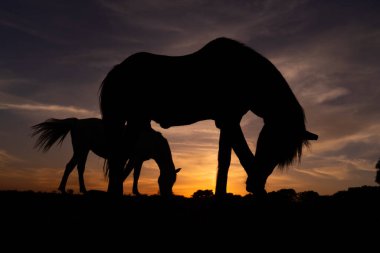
(223, 79)
(89, 133)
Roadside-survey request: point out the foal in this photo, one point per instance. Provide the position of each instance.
(89, 135)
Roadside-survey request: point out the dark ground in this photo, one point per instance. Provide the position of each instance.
(286, 219)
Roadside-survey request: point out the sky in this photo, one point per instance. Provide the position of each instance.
(54, 55)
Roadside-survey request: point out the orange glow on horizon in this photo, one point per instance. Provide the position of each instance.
(195, 150)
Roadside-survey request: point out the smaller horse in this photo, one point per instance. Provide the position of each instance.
(89, 135)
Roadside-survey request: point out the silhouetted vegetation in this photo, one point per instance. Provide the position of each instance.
(69, 218)
(202, 194)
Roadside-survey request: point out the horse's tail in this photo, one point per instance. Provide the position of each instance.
(52, 131)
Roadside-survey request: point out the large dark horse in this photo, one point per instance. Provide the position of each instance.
(222, 81)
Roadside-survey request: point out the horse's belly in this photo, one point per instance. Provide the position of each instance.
(180, 119)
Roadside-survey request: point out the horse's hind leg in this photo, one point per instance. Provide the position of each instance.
(224, 161)
(69, 168)
(81, 168)
(136, 175)
(128, 169)
(136, 166)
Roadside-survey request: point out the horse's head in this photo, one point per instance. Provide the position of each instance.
(166, 181)
(275, 147)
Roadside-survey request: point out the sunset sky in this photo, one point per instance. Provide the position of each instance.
(54, 55)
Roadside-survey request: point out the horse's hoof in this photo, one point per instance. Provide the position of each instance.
(249, 187)
(258, 192)
(135, 191)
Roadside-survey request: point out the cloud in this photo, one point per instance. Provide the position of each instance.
(22, 104)
(16, 23)
(6, 158)
(326, 172)
(183, 27)
(322, 94)
(51, 108)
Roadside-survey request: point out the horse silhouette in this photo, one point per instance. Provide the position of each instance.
(222, 82)
(89, 135)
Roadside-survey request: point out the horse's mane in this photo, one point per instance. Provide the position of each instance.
(290, 132)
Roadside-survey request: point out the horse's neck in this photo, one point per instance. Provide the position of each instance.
(152, 145)
(162, 155)
(145, 145)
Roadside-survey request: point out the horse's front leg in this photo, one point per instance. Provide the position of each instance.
(245, 155)
(128, 169)
(265, 162)
(224, 161)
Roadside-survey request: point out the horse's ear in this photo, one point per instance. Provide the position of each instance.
(177, 170)
(311, 136)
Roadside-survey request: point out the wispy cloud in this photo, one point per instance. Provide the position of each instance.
(327, 172)
(6, 158)
(322, 94)
(24, 25)
(53, 108)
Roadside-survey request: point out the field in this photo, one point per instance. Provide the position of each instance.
(36, 220)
